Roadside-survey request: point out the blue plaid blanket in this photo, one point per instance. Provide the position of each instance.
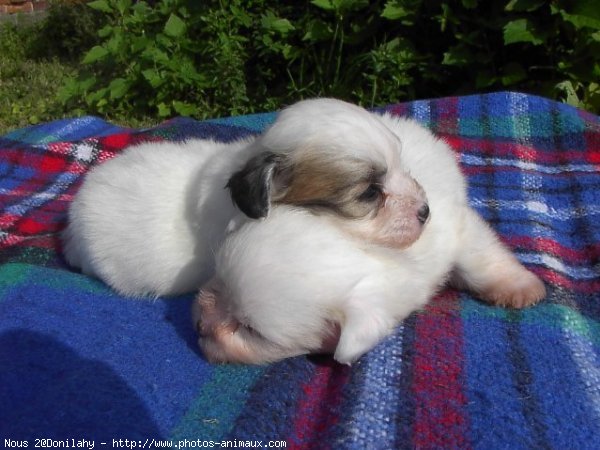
(79, 364)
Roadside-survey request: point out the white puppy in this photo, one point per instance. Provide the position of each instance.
(337, 272)
(148, 221)
(358, 209)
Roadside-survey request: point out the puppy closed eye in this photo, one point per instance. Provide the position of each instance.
(372, 193)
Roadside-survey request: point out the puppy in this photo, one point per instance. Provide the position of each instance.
(148, 221)
(364, 218)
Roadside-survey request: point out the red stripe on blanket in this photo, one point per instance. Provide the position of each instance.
(117, 141)
(60, 148)
(32, 226)
(592, 141)
(7, 220)
(111, 146)
(587, 254)
(510, 149)
(52, 164)
(438, 384)
(447, 117)
(578, 286)
(317, 410)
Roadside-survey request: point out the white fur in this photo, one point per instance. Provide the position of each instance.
(150, 220)
(293, 274)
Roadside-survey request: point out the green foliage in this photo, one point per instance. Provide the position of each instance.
(159, 58)
(25, 84)
(548, 48)
(28, 81)
(231, 57)
(173, 58)
(69, 29)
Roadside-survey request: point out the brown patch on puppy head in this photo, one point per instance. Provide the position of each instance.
(348, 186)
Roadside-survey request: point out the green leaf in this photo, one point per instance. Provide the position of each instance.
(188, 73)
(101, 103)
(101, 5)
(184, 109)
(567, 88)
(123, 5)
(116, 44)
(105, 31)
(469, 4)
(582, 13)
(521, 30)
(95, 54)
(86, 83)
(458, 55)
(318, 31)
(289, 52)
(323, 4)
(524, 5)
(273, 23)
(164, 110)
(174, 27)
(141, 11)
(153, 77)
(581, 21)
(118, 88)
(139, 43)
(94, 97)
(155, 55)
(393, 10)
(242, 15)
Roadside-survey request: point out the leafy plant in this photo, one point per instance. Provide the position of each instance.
(223, 57)
(550, 48)
(174, 58)
(69, 30)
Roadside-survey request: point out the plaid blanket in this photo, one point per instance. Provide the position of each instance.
(79, 362)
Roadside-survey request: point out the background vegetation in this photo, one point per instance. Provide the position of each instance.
(136, 62)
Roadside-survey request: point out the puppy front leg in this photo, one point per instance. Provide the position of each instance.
(360, 332)
(489, 269)
(368, 318)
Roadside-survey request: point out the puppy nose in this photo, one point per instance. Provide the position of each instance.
(423, 213)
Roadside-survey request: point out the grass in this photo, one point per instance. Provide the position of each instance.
(29, 85)
(26, 91)
(26, 85)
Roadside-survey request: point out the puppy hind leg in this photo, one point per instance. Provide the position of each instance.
(243, 346)
(223, 339)
(489, 269)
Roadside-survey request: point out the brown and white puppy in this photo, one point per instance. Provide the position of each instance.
(363, 218)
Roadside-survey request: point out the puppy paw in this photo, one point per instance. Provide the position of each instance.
(515, 290)
(212, 350)
(209, 314)
(241, 345)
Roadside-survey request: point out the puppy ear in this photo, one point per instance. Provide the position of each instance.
(251, 187)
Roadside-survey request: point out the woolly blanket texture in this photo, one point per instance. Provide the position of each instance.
(78, 361)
